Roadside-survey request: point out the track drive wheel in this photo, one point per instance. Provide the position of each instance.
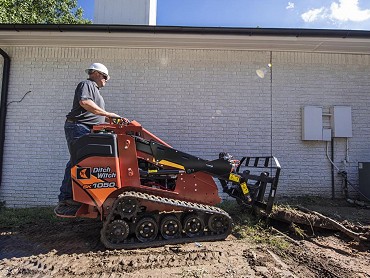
(146, 229)
(116, 231)
(127, 207)
(170, 227)
(193, 225)
(218, 224)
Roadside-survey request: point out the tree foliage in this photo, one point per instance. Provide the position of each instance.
(41, 12)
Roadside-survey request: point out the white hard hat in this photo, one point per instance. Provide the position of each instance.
(100, 68)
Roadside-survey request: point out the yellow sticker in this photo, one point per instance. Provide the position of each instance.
(152, 171)
(234, 178)
(171, 164)
(244, 188)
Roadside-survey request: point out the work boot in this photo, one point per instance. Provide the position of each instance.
(67, 208)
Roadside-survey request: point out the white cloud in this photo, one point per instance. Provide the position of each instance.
(348, 10)
(313, 15)
(342, 11)
(290, 5)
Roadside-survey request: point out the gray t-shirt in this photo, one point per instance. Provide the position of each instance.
(87, 89)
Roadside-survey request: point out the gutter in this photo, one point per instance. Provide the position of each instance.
(3, 108)
(110, 28)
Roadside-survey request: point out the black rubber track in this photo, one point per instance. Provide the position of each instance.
(183, 206)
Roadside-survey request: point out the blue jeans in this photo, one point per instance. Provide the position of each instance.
(73, 131)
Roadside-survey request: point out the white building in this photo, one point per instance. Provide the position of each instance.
(137, 12)
(197, 89)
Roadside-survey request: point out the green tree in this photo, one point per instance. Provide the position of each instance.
(41, 11)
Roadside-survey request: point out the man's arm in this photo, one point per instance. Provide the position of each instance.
(91, 106)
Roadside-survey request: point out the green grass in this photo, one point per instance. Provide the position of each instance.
(16, 217)
(251, 228)
(230, 206)
(259, 233)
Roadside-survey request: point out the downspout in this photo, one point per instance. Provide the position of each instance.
(4, 99)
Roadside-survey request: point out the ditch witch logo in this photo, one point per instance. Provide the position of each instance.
(83, 173)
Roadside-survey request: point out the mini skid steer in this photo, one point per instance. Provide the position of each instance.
(150, 194)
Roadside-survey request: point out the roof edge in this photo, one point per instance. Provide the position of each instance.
(110, 28)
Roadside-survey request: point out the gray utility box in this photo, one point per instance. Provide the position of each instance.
(364, 179)
(341, 121)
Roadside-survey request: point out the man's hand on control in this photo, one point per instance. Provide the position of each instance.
(113, 115)
(125, 120)
(116, 116)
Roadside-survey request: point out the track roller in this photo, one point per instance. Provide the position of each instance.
(146, 229)
(193, 225)
(170, 227)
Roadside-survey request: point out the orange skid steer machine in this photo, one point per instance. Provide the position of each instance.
(150, 194)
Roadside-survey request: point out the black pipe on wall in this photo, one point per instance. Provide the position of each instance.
(3, 108)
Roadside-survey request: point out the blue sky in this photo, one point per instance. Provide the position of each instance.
(325, 14)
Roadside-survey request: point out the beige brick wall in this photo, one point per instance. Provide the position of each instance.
(199, 101)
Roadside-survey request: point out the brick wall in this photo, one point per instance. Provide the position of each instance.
(199, 101)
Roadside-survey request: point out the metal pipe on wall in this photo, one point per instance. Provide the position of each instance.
(332, 170)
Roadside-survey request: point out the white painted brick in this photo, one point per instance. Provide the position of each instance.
(199, 101)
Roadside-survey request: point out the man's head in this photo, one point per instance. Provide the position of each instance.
(99, 73)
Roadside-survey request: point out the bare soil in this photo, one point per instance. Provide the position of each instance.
(72, 249)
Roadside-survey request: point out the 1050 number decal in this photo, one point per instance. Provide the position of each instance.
(98, 185)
